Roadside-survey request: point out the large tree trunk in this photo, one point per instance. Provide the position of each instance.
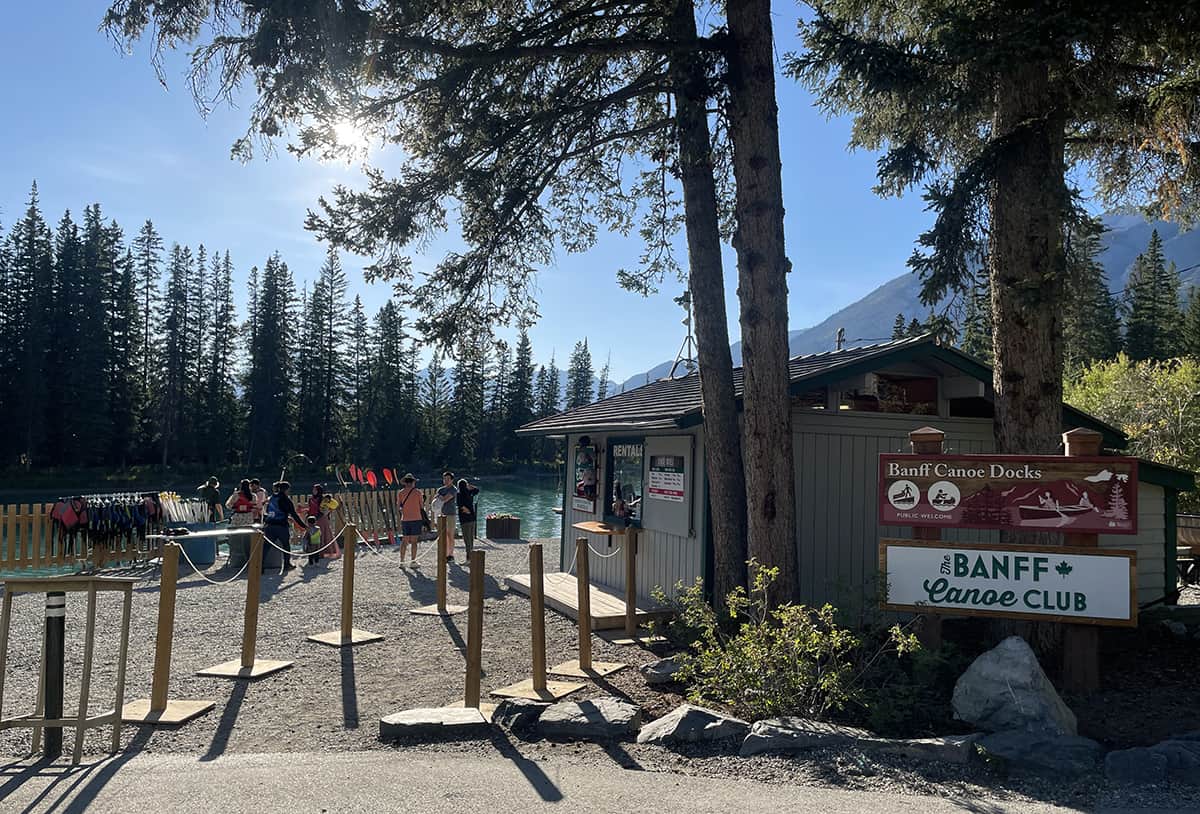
(762, 293)
(1026, 264)
(722, 444)
(1027, 268)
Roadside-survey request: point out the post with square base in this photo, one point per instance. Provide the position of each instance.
(249, 666)
(1081, 643)
(537, 687)
(441, 608)
(158, 709)
(475, 632)
(584, 667)
(347, 635)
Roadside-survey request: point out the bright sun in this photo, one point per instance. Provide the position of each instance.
(348, 135)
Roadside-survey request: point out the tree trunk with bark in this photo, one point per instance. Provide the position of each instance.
(706, 281)
(1027, 268)
(762, 293)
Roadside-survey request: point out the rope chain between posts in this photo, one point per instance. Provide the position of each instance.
(301, 553)
(203, 576)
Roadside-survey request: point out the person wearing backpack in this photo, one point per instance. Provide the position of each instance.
(279, 510)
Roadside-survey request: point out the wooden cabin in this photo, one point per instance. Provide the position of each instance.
(647, 446)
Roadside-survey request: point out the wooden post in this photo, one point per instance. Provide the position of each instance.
(537, 610)
(1081, 643)
(253, 586)
(166, 627)
(631, 582)
(928, 441)
(475, 631)
(583, 582)
(348, 586)
(86, 680)
(441, 563)
(122, 658)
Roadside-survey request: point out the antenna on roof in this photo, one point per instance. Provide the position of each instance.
(840, 339)
(687, 352)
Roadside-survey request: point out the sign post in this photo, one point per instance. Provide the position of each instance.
(1081, 643)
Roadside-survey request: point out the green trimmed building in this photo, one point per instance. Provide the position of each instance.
(647, 446)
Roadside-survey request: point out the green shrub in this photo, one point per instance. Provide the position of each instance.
(763, 662)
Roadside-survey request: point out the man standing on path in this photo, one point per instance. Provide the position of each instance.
(448, 494)
(275, 522)
(260, 495)
(210, 493)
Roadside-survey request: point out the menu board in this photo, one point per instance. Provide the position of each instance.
(666, 478)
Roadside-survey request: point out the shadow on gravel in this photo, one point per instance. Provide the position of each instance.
(229, 716)
(81, 782)
(349, 690)
(460, 578)
(621, 757)
(533, 773)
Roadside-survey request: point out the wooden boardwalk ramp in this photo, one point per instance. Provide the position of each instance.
(562, 594)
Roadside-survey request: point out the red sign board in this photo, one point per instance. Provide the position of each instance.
(1088, 495)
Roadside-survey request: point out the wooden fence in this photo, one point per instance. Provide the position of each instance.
(30, 541)
(375, 512)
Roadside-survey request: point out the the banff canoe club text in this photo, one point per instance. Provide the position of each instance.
(942, 469)
(1016, 567)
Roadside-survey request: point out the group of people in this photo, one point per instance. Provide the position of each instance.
(455, 502)
(250, 504)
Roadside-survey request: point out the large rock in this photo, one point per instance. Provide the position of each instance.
(597, 719)
(947, 749)
(1043, 753)
(792, 734)
(1135, 766)
(689, 724)
(660, 672)
(518, 714)
(432, 721)
(1183, 759)
(1005, 689)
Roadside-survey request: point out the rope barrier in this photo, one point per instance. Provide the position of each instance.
(300, 553)
(604, 556)
(203, 576)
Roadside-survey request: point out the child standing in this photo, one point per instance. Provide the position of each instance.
(312, 540)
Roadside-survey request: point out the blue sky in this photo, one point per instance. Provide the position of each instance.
(93, 125)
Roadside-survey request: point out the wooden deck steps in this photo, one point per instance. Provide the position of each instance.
(608, 607)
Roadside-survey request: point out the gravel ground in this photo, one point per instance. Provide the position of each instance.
(331, 699)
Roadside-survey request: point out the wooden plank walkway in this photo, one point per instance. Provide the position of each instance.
(562, 594)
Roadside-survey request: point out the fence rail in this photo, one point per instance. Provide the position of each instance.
(30, 541)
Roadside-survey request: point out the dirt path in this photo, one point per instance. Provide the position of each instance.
(332, 698)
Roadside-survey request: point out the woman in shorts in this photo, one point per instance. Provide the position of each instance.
(410, 502)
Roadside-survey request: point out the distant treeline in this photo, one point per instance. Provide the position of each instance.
(117, 352)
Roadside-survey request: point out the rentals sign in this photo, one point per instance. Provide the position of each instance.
(1086, 495)
(1088, 585)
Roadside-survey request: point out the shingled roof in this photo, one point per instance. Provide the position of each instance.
(674, 403)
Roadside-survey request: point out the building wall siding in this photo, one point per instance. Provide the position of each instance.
(1149, 542)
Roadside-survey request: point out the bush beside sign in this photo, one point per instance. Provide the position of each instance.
(1078, 495)
(1048, 583)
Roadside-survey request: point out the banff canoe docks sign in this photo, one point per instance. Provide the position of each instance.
(1082, 585)
(1088, 495)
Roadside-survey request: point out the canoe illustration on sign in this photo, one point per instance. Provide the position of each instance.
(1079, 494)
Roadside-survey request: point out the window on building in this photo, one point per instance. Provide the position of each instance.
(625, 481)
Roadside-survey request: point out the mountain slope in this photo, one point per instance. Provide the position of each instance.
(872, 317)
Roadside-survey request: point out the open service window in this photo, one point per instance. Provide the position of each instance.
(624, 481)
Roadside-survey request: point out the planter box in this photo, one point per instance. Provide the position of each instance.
(503, 528)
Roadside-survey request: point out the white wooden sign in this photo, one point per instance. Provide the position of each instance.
(1084, 585)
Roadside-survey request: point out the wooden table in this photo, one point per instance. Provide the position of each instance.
(631, 532)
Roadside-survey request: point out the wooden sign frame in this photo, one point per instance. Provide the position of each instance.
(923, 515)
(947, 610)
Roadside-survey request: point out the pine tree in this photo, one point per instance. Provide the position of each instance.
(580, 376)
(548, 403)
(899, 327)
(147, 255)
(221, 408)
(175, 352)
(333, 383)
(124, 336)
(977, 320)
(467, 403)
(271, 419)
(915, 328)
(1191, 324)
(1153, 321)
(90, 426)
(519, 401)
(602, 387)
(359, 374)
(435, 400)
(1091, 327)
